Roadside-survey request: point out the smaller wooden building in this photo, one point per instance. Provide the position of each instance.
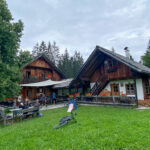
(37, 71)
(108, 73)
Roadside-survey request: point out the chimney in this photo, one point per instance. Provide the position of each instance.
(113, 50)
(127, 52)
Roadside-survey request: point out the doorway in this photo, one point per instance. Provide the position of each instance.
(115, 91)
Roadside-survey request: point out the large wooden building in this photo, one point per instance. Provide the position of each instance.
(114, 74)
(38, 77)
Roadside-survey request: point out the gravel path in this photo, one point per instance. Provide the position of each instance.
(52, 106)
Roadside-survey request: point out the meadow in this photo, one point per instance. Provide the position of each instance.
(97, 128)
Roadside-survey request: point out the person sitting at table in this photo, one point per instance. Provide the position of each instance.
(37, 101)
(28, 104)
(21, 105)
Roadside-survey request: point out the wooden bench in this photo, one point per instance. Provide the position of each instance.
(31, 111)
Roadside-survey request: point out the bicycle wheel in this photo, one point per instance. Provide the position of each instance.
(66, 118)
(60, 125)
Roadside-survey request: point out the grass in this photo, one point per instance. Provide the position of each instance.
(98, 127)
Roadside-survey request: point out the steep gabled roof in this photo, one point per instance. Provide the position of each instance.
(130, 63)
(49, 62)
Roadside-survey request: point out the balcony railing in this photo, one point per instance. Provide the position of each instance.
(33, 79)
(108, 100)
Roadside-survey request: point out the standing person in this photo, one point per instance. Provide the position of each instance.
(54, 97)
(43, 98)
(49, 100)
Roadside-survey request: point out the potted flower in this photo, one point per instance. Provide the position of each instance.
(77, 94)
(103, 94)
(123, 94)
(71, 96)
(88, 94)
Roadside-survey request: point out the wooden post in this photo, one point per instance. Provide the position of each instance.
(134, 80)
(77, 89)
(62, 92)
(83, 89)
(135, 92)
(96, 97)
(69, 91)
(113, 99)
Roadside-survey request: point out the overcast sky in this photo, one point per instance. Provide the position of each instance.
(83, 24)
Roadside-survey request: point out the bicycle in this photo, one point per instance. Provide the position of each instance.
(65, 120)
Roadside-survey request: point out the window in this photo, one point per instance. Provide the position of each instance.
(116, 88)
(39, 90)
(147, 87)
(43, 75)
(29, 93)
(112, 66)
(28, 73)
(105, 63)
(60, 92)
(130, 89)
(112, 63)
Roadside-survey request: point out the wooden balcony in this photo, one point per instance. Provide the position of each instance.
(33, 79)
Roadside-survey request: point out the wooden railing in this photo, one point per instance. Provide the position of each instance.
(107, 100)
(33, 79)
(61, 98)
(99, 85)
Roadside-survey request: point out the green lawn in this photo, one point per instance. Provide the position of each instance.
(97, 128)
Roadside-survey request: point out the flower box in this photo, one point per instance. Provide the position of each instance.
(88, 94)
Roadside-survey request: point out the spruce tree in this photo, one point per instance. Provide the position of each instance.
(35, 50)
(146, 57)
(51, 50)
(65, 64)
(55, 53)
(42, 48)
(70, 65)
(77, 62)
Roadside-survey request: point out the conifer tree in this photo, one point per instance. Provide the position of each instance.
(70, 65)
(51, 50)
(146, 57)
(42, 48)
(55, 53)
(35, 50)
(77, 62)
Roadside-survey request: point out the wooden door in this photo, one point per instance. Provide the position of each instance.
(115, 91)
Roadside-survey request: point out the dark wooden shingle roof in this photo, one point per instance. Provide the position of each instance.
(130, 63)
(49, 62)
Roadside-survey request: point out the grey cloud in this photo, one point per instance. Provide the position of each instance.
(81, 25)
